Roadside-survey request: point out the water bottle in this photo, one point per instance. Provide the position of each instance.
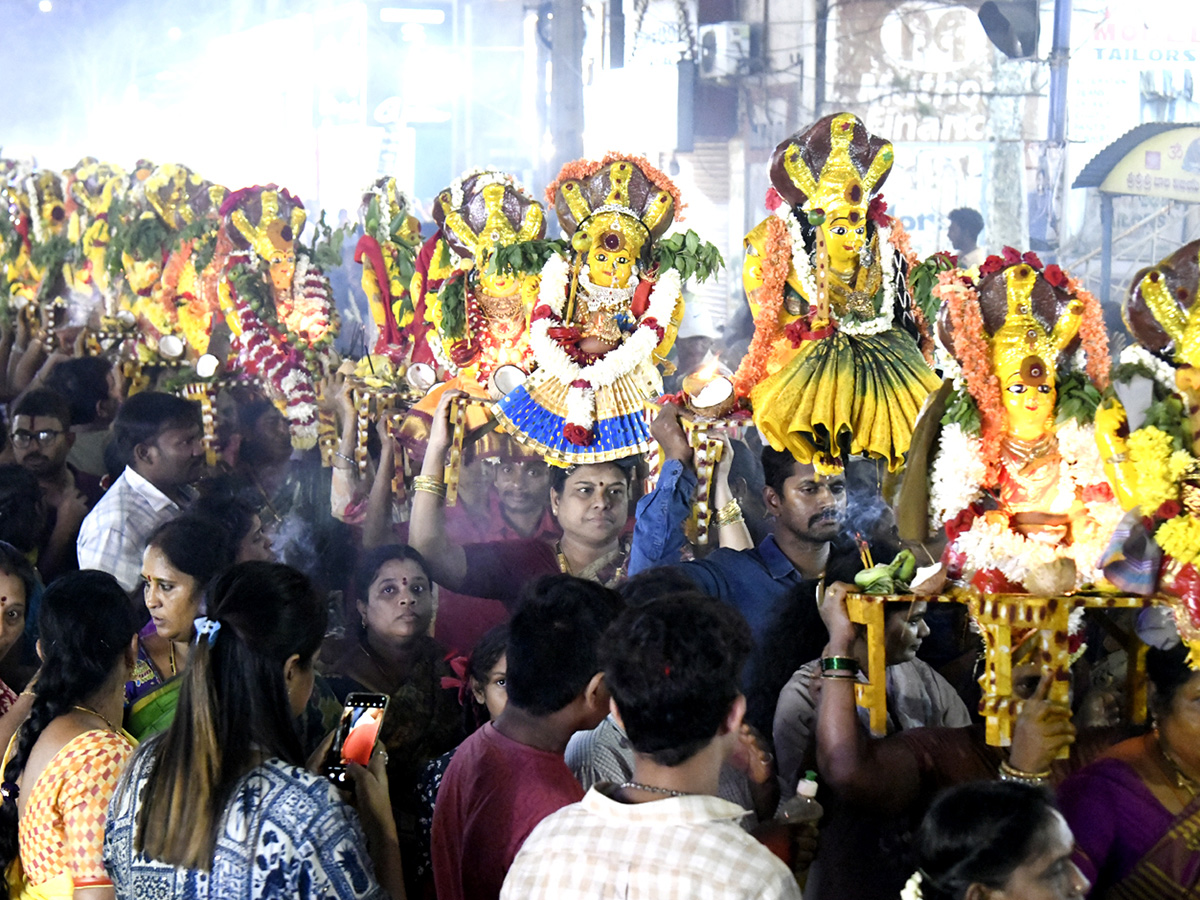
(803, 807)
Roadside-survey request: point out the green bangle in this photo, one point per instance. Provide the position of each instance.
(839, 664)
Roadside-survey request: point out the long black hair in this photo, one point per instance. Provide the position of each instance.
(86, 625)
(233, 708)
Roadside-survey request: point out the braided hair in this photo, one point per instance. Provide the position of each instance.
(86, 625)
(979, 833)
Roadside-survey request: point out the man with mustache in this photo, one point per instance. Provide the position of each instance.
(158, 436)
(806, 548)
(42, 438)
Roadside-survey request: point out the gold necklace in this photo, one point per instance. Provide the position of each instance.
(1175, 773)
(103, 718)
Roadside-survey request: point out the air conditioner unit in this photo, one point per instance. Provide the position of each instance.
(724, 48)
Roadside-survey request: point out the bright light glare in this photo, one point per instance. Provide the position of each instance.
(174, 33)
(402, 15)
(45, 5)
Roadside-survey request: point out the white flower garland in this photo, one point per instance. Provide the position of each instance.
(485, 176)
(912, 888)
(35, 210)
(801, 262)
(637, 348)
(1163, 372)
(956, 476)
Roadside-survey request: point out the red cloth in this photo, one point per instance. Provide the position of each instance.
(501, 569)
(493, 794)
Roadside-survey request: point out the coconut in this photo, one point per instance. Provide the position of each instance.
(170, 346)
(929, 579)
(505, 379)
(206, 366)
(712, 400)
(1051, 579)
(421, 377)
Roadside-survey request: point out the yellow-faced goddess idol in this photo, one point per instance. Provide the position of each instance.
(1017, 480)
(603, 316)
(835, 367)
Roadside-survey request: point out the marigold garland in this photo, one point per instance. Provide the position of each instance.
(1092, 334)
(975, 356)
(585, 168)
(173, 271)
(776, 259)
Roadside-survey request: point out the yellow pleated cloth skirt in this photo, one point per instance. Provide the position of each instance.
(856, 394)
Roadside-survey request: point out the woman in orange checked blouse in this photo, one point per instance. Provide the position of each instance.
(62, 765)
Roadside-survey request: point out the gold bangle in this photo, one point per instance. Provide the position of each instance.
(430, 485)
(1011, 773)
(730, 513)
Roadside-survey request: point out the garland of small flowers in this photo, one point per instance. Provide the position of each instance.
(1161, 371)
(767, 327)
(1093, 335)
(583, 379)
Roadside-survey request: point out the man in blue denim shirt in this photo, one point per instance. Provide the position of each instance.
(808, 509)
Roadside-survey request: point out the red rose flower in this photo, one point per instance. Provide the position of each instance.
(1097, 493)
(1012, 256)
(773, 200)
(581, 383)
(1169, 509)
(577, 434)
(652, 322)
(960, 523)
(992, 581)
(877, 211)
(991, 265)
(1031, 259)
(542, 311)
(795, 332)
(1055, 275)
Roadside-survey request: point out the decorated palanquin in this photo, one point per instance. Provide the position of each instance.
(606, 315)
(37, 246)
(835, 366)
(277, 304)
(1149, 436)
(480, 317)
(165, 239)
(1017, 481)
(92, 186)
(386, 251)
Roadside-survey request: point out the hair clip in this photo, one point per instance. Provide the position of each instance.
(10, 790)
(206, 627)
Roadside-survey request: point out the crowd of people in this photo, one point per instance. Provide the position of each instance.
(581, 701)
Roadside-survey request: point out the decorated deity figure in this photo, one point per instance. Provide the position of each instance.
(37, 207)
(835, 366)
(92, 186)
(278, 306)
(604, 316)
(1017, 481)
(189, 205)
(1149, 436)
(481, 315)
(386, 251)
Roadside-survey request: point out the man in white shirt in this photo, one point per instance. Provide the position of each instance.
(159, 437)
(673, 667)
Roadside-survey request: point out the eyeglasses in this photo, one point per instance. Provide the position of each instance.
(23, 438)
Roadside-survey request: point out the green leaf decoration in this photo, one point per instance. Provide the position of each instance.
(453, 299)
(687, 253)
(1077, 399)
(923, 279)
(961, 410)
(524, 258)
(371, 225)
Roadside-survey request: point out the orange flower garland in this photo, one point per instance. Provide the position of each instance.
(974, 355)
(1093, 334)
(585, 168)
(776, 260)
(173, 270)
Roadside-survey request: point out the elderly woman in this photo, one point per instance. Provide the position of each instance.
(393, 654)
(183, 556)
